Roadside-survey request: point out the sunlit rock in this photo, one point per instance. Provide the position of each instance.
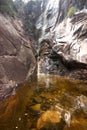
(69, 42)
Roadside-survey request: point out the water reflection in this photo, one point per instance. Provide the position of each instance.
(51, 104)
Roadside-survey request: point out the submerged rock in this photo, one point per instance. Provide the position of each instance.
(34, 129)
(48, 117)
(36, 107)
(76, 125)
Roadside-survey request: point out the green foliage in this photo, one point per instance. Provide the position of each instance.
(6, 7)
(32, 11)
(71, 11)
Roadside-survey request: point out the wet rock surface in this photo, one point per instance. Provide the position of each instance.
(51, 62)
(17, 60)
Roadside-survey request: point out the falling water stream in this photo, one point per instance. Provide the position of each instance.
(52, 103)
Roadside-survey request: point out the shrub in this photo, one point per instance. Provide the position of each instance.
(6, 7)
(71, 11)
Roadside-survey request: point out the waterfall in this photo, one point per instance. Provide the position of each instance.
(44, 23)
(47, 81)
(39, 74)
(38, 70)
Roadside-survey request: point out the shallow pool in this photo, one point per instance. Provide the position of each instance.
(51, 103)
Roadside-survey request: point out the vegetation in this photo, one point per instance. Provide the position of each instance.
(71, 11)
(7, 7)
(32, 11)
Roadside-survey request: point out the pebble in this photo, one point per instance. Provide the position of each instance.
(16, 127)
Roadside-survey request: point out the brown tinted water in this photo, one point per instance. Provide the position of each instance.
(52, 103)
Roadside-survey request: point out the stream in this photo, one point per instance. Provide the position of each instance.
(52, 103)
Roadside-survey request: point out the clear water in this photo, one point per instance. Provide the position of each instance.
(51, 93)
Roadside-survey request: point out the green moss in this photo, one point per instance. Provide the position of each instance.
(71, 11)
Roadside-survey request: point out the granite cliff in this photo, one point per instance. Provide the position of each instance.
(17, 55)
(62, 44)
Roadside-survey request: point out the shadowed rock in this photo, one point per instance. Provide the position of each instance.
(17, 61)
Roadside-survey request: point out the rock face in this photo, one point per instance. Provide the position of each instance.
(64, 39)
(56, 10)
(17, 61)
(70, 38)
